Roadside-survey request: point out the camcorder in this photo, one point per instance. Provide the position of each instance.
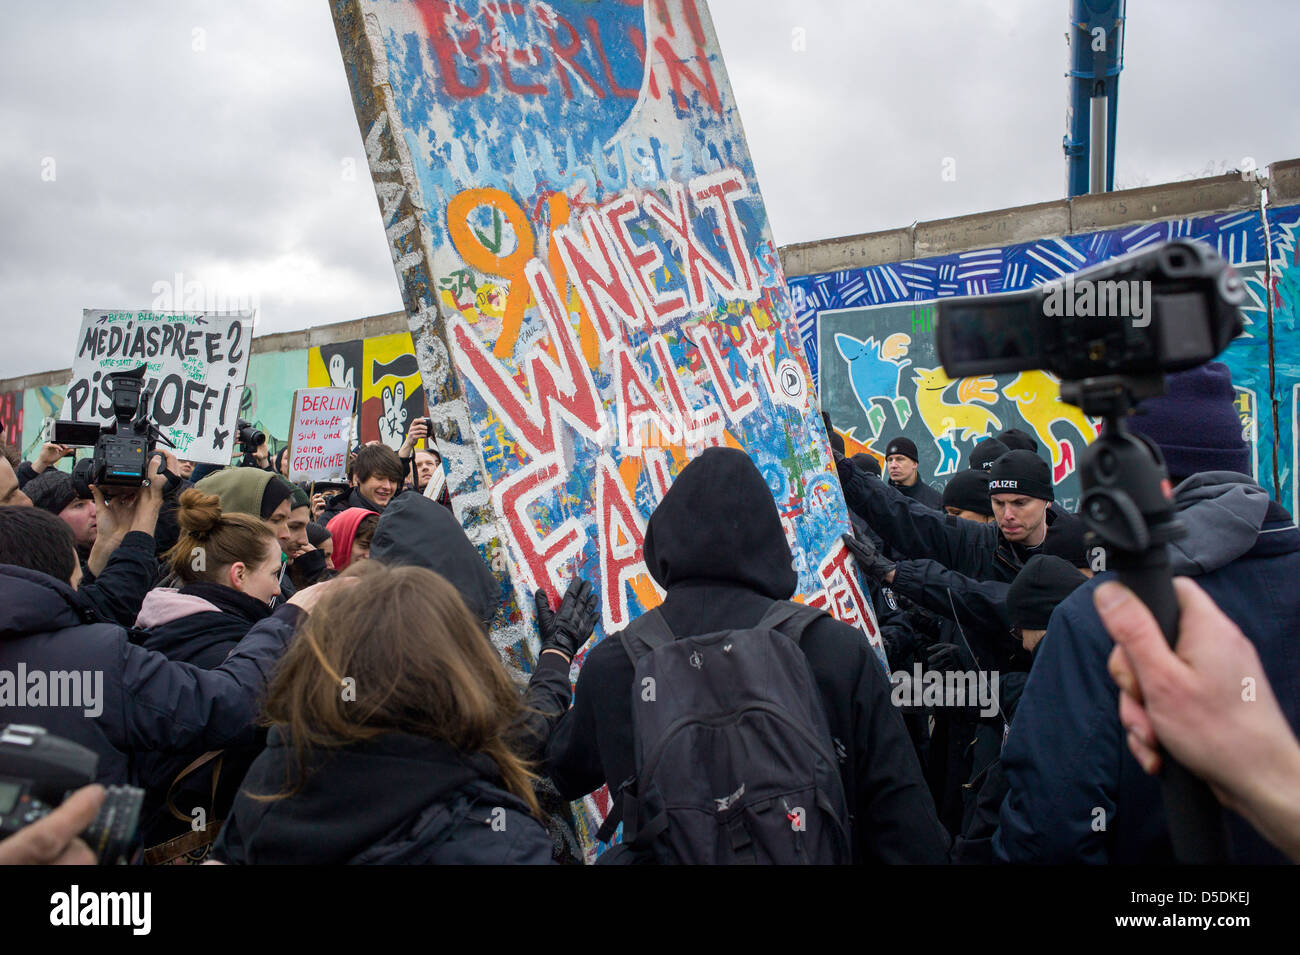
(38, 771)
(123, 448)
(1165, 309)
(1111, 333)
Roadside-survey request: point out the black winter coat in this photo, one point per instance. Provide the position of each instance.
(922, 493)
(117, 593)
(394, 799)
(204, 639)
(978, 551)
(723, 565)
(146, 702)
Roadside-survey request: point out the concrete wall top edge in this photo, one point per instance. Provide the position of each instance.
(1090, 213)
(1284, 182)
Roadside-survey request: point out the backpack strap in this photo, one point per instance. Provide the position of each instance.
(645, 634)
(789, 618)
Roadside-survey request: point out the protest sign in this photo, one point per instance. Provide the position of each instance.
(195, 364)
(320, 434)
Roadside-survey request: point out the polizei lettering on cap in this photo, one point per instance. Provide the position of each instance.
(1002, 485)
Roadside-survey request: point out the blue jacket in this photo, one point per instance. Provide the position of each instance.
(140, 700)
(1076, 794)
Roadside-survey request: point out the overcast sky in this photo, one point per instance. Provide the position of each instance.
(209, 139)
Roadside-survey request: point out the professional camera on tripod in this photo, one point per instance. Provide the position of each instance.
(123, 449)
(1111, 333)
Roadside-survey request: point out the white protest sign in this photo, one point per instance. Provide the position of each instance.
(321, 434)
(196, 365)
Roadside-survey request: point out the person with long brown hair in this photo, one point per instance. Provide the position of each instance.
(390, 738)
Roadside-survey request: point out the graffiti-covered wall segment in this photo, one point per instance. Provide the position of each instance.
(869, 332)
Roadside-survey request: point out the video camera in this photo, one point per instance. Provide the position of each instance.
(1111, 333)
(1145, 313)
(38, 771)
(248, 439)
(123, 449)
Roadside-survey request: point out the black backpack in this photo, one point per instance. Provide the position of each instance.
(734, 757)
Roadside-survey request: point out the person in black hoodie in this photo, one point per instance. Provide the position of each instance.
(389, 738)
(716, 545)
(415, 531)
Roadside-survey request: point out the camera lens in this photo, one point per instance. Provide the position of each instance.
(112, 833)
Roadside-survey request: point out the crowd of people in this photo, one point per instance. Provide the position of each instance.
(296, 674)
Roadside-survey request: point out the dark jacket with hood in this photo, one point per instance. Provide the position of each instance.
(1066, 756)
(418, 532)
(147, 701)
(396, 799)
(201, 623)
(715, 544)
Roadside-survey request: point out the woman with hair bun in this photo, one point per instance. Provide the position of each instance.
(228, 569)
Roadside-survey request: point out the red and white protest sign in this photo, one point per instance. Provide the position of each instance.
(321, 434)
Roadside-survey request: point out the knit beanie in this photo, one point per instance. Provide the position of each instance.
(986, 452)
(1021, 472)
(1040, 586)
(969, 490)
(51, 490)
(242, 490)
(903, 446)
(867, 462)
(317, 535)
(1195, 423)
(1017, 440)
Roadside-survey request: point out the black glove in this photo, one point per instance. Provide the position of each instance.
(567, 629)
(869, 559)
(948, 657)
(900, 642)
